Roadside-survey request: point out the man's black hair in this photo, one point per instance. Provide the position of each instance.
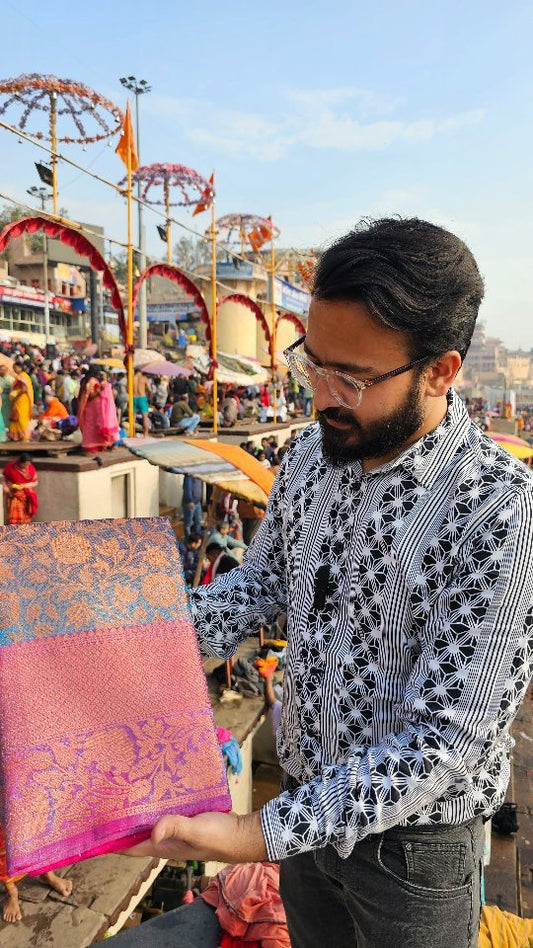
(193, 538)
(412, 276)
(214, 545)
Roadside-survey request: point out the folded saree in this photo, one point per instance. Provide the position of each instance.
(105, 719)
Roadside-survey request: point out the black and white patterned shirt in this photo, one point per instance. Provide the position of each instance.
(408, 591)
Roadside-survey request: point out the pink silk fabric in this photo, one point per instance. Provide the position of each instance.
(105, 719)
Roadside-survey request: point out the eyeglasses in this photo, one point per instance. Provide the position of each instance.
(346, 390)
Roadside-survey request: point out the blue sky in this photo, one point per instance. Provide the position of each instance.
(318, 114)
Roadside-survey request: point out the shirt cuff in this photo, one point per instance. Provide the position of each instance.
(292, 824)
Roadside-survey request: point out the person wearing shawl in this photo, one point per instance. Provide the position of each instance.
(54, 411)
(21, 396)
(97, 415)
(20, 479)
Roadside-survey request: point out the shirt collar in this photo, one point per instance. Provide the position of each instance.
(431, 454)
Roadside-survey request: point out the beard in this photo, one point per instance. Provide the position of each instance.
(377, 439)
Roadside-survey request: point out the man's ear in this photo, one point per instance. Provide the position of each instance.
(441, 373)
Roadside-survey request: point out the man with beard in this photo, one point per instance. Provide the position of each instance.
(399, 541)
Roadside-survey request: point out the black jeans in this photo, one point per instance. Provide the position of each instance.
(416, 887)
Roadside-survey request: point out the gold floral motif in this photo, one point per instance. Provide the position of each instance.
(116, 772)
(69, 549)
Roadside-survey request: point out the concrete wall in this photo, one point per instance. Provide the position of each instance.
(236, 330)
(93, 495)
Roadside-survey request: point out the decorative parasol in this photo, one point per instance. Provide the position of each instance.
(76, 113)
(243, 229)
(188, 187)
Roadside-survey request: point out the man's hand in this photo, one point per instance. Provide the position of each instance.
(223, 837)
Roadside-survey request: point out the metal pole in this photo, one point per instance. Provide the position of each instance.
(214, 311)
(129, 356)
(143, 325)
(273, 323)
(94, 309)
(53, 137)
(45, 281)
(167, 211)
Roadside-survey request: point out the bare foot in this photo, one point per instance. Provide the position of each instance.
(11, 911)
(62, 886)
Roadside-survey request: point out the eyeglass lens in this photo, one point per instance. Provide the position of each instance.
(346, 392)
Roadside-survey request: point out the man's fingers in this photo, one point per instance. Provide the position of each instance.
(170, 827)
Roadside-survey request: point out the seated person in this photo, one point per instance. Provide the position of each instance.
(221, 534)
(54, 410)
(220, 561)
(182, 415)
(190, 553)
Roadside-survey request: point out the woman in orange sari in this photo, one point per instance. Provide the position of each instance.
(21, 396)
(20, 479)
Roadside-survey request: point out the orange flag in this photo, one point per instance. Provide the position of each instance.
(266, 229)
(126, 149)
(206, 198)
(256, 239)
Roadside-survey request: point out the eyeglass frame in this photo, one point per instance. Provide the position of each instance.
(359, 385)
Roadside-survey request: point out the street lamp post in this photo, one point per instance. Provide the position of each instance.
(43, 196)
(139, 87)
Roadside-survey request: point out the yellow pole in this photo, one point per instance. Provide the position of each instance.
(214, 309)
(129, 361)
(167, 209)
(273, 321)
(53, 138)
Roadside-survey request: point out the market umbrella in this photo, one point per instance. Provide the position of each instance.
(144, 356)
(111, 362)
(516, 446)
(223, 465)
(168, 369)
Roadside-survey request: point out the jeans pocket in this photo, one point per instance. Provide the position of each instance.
(425, 864)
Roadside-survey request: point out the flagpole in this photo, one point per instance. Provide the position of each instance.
(129, 358)
(273, 321)
(53, 137)
(167, 210)
(214, 309)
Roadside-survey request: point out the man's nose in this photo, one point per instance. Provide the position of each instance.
(322, 397)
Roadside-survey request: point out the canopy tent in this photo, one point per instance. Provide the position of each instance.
(516, 446)
(231, 369)
(144, 356)
(223, 465)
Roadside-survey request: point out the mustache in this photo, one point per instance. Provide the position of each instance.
(337, 414)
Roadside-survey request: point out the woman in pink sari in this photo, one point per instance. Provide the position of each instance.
(97, 415)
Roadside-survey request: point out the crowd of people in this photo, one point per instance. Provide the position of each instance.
(43, 398)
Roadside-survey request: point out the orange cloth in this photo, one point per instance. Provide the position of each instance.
(504, 930)
(4, 875)
(248, 905)
(266, 666)
(54, 411)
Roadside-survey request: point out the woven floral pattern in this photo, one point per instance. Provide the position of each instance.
(105, 720)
